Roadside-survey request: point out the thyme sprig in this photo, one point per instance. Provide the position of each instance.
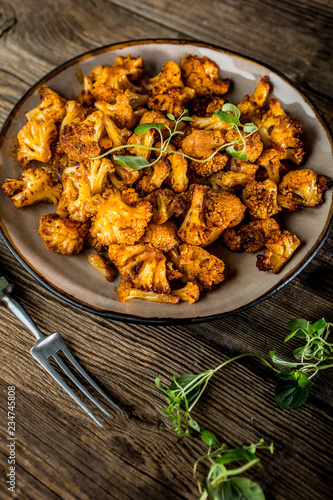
(225, 116)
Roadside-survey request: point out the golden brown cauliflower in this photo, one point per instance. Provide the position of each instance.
(252, 107)
(51, 109)
(167, 92)
(189, 293)
(260, 198)
(143, 265)
(35, 139)
(75, 113)
(223, 209)
(178, 178)
(124, 177)
(102, 265)
(209, 167)
(110, 81)
(115, 221)
(115, 136)
(253, 144)
(205, 106)
(203, 76)
(270, 160)
(126, 291)
(32, 186)
(305, 187)
(229, 181)
(121, 112)
(80, 140)
(154, 177)
(281, 246)
(250, 237)
(197, 265)
(149, 138)
(62, 235)
(161, 236)
(165, 204)
(201, 144)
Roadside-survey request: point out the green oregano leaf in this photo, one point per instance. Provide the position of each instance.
(236, 488)
(192, 423)
(145, 127)
(186, 119)
(279, 361)
(133, 162)
(183, 381)
(236, 154)
(231, 107)
(250, 128)
(225, 117)
(209, 439)
(290, 394)
(171, 117)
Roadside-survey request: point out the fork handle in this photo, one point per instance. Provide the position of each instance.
(18, 310)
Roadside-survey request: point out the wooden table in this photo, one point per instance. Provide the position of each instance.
(60, 452)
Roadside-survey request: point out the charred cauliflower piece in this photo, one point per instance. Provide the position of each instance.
(143, 265)
(154, 178)
(124, 177)
(75, 113)
(165, 204)
(253, 144)
(260, 198)
(177, 179)
(201, 144)
(305, 187)
(189, 293)
(202, 75)
(102, 265)
(62, 235)
(205, 106)
(115, 221)
(252, 108)
(115, 136)
(51, 109)
(270, 160)
(110, 81)
(250, 237)
(281, 246)
(35, 139)
(161, 236)
(126, 291)
(149, 138)
(168, 93)
(209, 167)
(229, 181)
(32, 186)
(121, 112)
(80, 140)
(197, 265)
(223, 209)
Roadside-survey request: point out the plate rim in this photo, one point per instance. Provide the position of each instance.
(156, 320)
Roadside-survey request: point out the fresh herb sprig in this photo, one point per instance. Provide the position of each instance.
(291, 390)
(222, 482)
(292, 387)
(225, 116)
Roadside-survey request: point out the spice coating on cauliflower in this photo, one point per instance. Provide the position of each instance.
(35, 139)
(203, 76)
(32, 186)
(62, 236)
(126, 291)
(281, 246)
(162, 236)
(305, 187)
(260, 198)
(51, 109)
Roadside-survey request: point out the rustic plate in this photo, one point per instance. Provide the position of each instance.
(72, 278)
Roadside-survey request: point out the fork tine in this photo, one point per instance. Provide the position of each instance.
(65, 386)
(81, 370)
(76, 381)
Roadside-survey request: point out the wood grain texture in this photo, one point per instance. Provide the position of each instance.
(61, 453)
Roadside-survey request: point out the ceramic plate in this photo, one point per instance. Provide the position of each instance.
(72, 278)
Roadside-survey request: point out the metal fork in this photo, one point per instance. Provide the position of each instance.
(48, 346)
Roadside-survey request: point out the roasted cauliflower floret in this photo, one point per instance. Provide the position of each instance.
(305, 187)
(121, 112)
(209, 123)
(62, 235)
(197, 265)
(161, 236)
(85, 96)
(270, 160)
(143, 265)
(178, 178)
(206, 106)
(124, 177)
(80, 140)
(207, 168)
(189, 293)
(32, 186)
(253, 144)
(252, 107)
(102, 265)
(154, 177)
(148, 138)
(168, 93)
(281, 132)
(201, 144)
(35, 139)
(110, 81)
(250, 237)
(75, 113)
(223, 209)
(203, 76)
(229, 181)
(117, 222)
(165, 204)
(281, 246)
(126, 291)
(51, 109)
(115, 136)
(194, 230)
(260, 198)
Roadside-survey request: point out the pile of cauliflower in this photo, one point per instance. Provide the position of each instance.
(154, 225)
